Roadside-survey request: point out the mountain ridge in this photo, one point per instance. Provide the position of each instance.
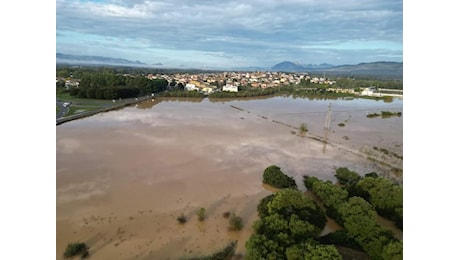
(384, 69)
(61, 57)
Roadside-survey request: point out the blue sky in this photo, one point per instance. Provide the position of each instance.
(237, 33)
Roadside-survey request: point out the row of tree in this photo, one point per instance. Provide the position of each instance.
(108, 85)
(353, 205)
(290, 222)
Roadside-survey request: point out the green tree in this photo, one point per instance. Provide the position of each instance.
(346, 176)
(312, 252)
(393, 251)
(275, 177)
(287, 202)
(385, 196)
(262, 208)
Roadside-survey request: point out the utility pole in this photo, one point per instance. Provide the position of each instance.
(327, 127)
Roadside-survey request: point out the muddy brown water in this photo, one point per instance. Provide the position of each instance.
(123, 177)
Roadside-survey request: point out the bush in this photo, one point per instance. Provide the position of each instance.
(303, 129)
(347, 177)
(74, 249)
(201, 214)
(275, 177)
(182, 219)
(236, 223)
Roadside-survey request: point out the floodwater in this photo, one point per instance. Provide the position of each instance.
(123, 177)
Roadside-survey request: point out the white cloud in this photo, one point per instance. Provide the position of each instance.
(231, 29)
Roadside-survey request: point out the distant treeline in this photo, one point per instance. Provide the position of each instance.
(107, 85)
(352, 83)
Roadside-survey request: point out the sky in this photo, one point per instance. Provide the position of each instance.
(229, 34)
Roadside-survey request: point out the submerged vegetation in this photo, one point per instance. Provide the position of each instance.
(273, 176)
(75, 249)
(225, 254)
(384, 114)
(303, 129)
(290, 222)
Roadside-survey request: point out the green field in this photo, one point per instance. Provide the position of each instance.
(80, 105)
(82, 101)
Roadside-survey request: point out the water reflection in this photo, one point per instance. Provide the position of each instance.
(169, 156)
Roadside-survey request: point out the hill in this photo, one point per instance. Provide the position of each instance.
(381, 69)
(83, 59)
(288, 66)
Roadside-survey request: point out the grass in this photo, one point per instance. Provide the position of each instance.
(82, 101)
(80, 105)
(76, 109)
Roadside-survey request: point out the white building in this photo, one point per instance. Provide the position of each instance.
(369, 91)
(190, 87)
(230, 88)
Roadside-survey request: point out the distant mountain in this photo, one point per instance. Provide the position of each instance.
(381, 69)
(288, 66)
(250, 68)
(82, 59)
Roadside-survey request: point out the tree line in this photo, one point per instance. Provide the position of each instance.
(290, 223)
(108, 85)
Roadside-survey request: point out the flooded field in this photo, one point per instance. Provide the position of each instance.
(123, 177)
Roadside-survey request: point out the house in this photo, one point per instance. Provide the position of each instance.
(190, 87)
(230, 88)
(369, 91)
(71, 83)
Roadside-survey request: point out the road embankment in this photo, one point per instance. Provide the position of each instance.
(115, 106)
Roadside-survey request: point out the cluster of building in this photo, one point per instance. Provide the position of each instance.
(232, 81)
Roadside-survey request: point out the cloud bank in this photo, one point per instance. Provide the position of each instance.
(232, 33)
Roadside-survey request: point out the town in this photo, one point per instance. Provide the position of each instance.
(210, 82)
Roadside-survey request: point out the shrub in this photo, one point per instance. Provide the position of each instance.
(182, 219)
(74, 249)
(275, 177)
(303, 129)
(346, 176)
(236, 223)
(201, 214)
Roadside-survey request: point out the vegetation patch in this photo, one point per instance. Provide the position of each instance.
(341, 124)
(225, 254)
(384, 114)
(354, 205)
(273, 176)
(288, 226)
(182, 219)
(303, 129)
(75, 249)
(201, 213)
(235, 222)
